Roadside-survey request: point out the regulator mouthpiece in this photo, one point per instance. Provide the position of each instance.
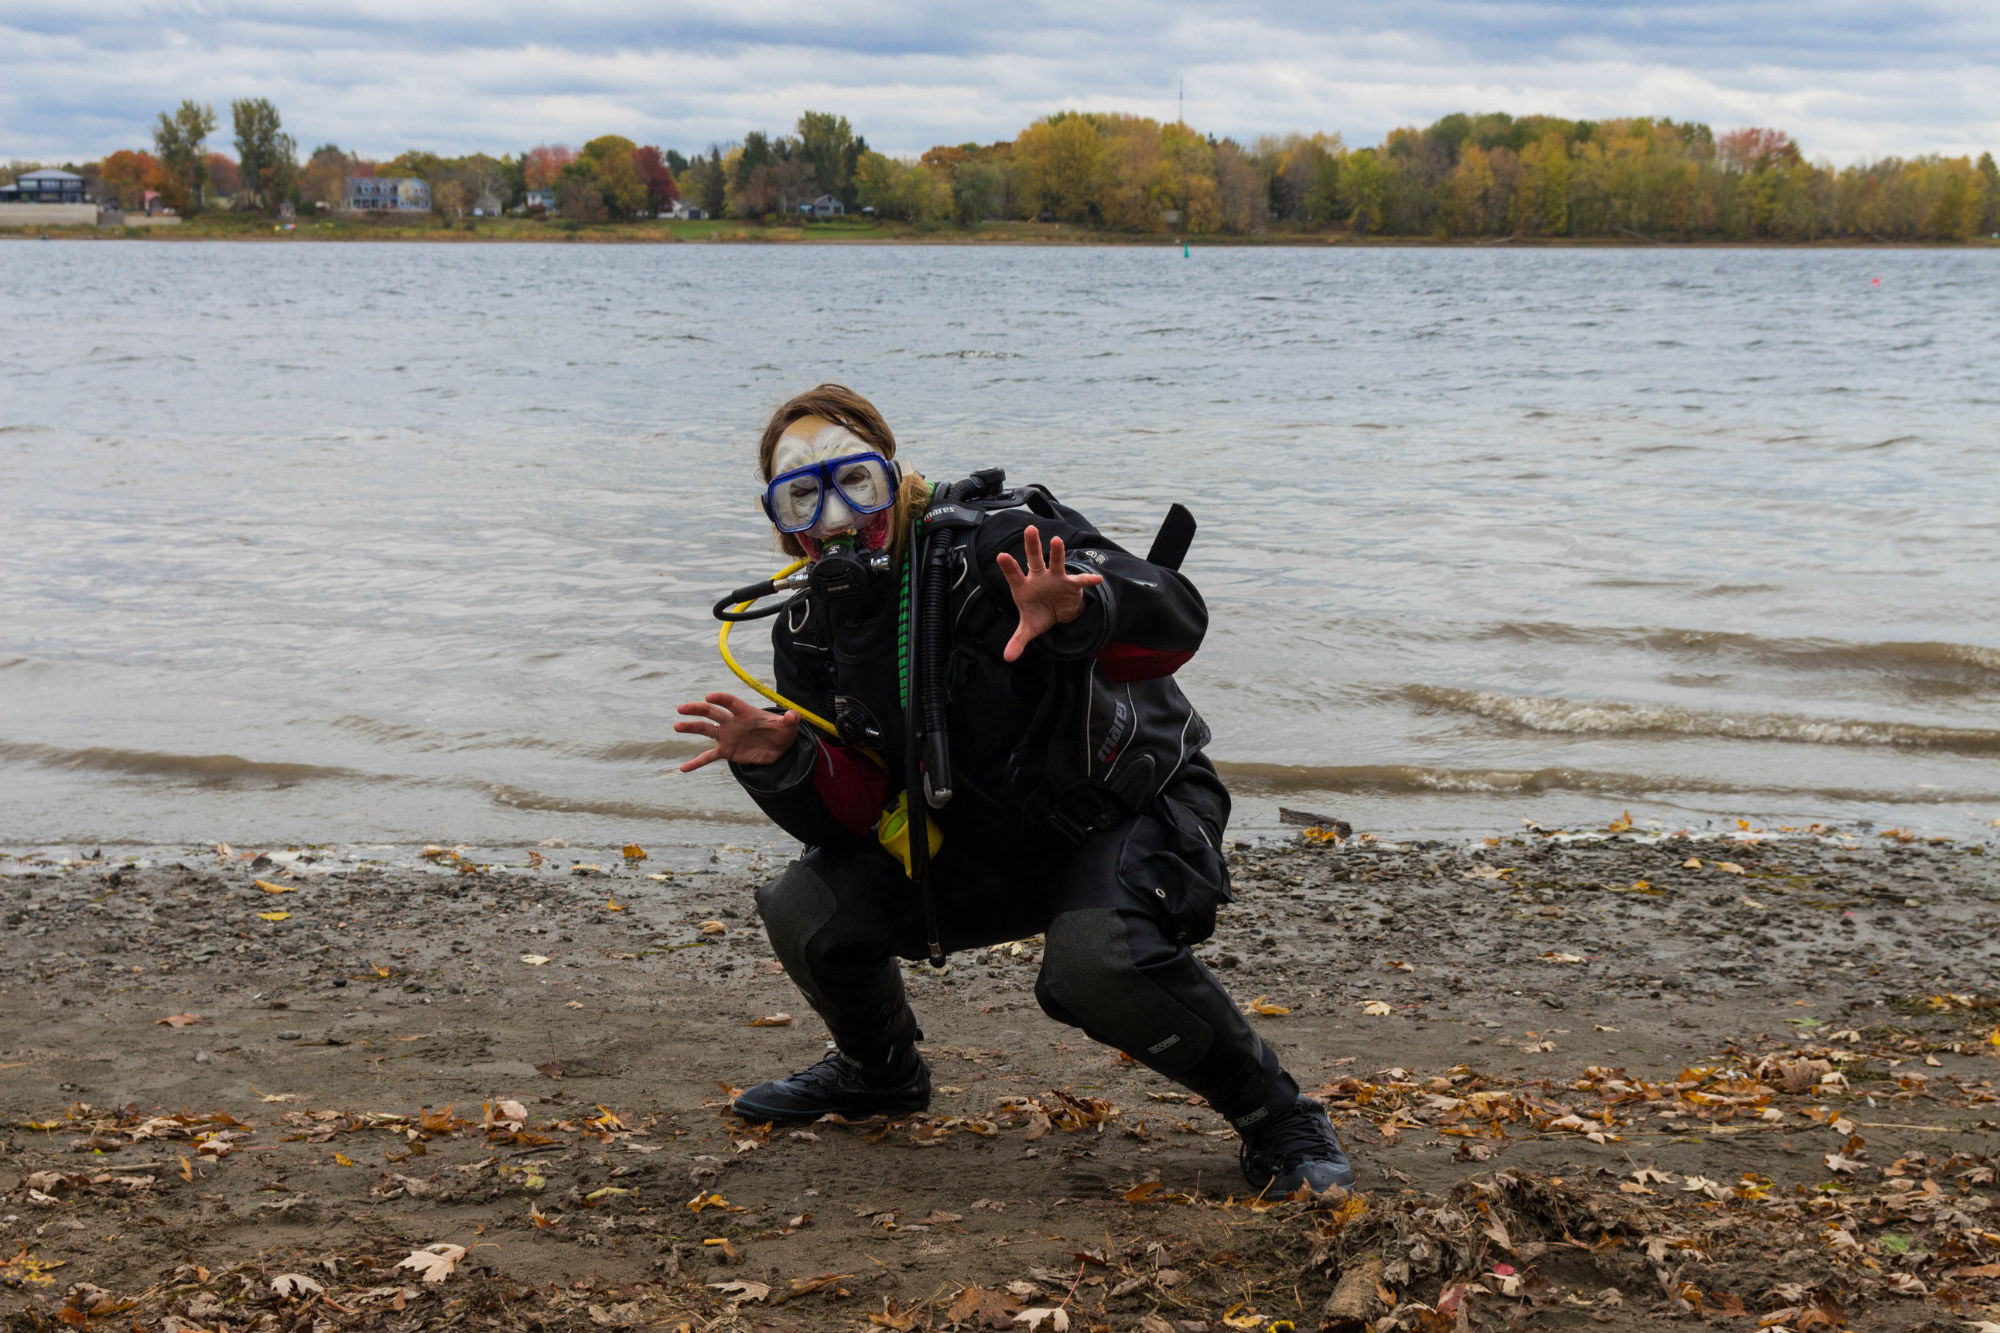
(846, 578)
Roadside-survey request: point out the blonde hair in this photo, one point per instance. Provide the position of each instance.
(847, 409)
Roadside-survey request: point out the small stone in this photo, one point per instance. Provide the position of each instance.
(289, 1035)
(201, 1057)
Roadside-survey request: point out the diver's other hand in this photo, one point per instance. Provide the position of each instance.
(742, 732)
(1045, 594)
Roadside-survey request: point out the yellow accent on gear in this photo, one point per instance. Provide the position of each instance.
(729, 660)
(892, 830)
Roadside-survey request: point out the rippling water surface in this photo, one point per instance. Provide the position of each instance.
(392, 542)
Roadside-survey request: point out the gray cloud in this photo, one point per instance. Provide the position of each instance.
(1850, 80)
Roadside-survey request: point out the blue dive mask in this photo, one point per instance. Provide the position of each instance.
(865, 483)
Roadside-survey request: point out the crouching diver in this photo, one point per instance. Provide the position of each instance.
(982, 740)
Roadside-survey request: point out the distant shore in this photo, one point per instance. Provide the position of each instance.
(240, 227)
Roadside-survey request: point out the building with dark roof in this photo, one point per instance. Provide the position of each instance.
(47, 186)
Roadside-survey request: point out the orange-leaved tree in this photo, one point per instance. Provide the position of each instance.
(544, 163)
(129, 174)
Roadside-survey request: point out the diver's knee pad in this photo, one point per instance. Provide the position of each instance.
(1090, 980)
(795, 906)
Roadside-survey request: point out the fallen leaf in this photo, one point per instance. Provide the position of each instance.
(634, 852)
(1144, 1191)
(269, 887)
(982, 1307)
(343, 1159)
(1841, 1162)
(706, 1200)
(1692, 863)
(534, 959)
(739, 1290)
(1553, 956)
(435, 1262)
(1036, 1315)
(1261, 1005)
(574, 1004)
(613, 905)
(895, 1316)
(777, 1020)
(1730, 868)
(1378, 1008)
(178, 1020)
(1622, 824)
(274, 916)
(295, 1284)
(712, 928)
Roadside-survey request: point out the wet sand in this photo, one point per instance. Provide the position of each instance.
(1586, 1082)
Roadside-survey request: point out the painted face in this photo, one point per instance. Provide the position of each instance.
(812, 440)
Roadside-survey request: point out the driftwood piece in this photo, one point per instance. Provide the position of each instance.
(1307, 819)
(1354, 1301)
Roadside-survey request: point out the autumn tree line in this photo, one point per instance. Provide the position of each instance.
(1472, 176)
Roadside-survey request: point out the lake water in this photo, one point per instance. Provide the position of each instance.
(325, 543)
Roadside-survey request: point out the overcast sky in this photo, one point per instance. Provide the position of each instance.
(1850, 80)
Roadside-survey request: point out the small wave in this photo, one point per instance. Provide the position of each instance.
(520, 798)
(648, 751)
(1422, 779)
(206, 768)
(1586, 717)
(969, 354)
(1890, 656)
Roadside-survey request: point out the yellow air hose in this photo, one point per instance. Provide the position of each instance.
(892, 830)
(729, 660)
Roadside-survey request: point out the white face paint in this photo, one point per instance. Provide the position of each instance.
(812, 440)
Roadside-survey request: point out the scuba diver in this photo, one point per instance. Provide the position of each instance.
(979, 739)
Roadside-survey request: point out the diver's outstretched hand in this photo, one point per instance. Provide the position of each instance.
(742, 732)
(1045, 595)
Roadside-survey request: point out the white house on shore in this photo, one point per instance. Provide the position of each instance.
(386, 194)
(683, 211)
(826, 206)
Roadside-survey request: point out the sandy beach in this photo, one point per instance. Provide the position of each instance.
(1600, 1080)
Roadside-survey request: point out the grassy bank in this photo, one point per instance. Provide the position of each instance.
(846, 231)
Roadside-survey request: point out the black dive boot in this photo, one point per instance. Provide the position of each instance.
(842, 1085)
(1295, 1147)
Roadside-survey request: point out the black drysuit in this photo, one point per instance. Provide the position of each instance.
(1083, 810)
